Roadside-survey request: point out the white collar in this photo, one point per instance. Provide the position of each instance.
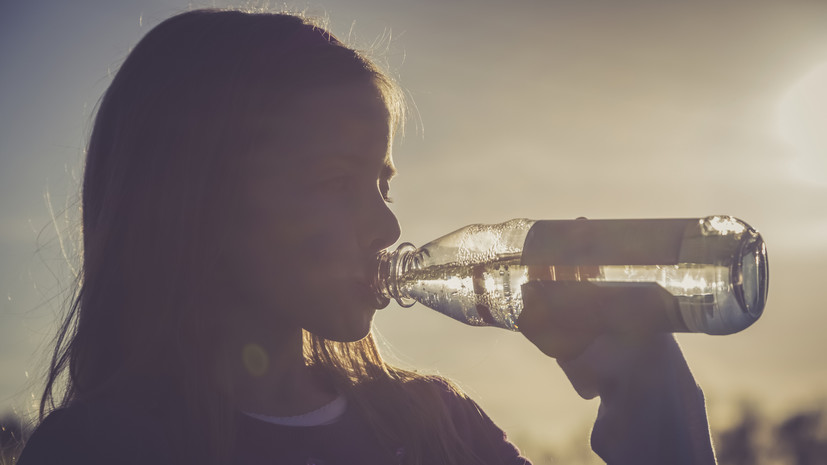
(324, 415)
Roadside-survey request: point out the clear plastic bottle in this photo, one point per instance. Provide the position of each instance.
(715, 268)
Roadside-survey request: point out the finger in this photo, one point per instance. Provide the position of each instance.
(559, 317)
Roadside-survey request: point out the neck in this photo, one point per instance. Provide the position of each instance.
(269, 374)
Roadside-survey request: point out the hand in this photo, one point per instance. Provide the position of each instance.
(562, 318)
(613, 342)
(651, 409)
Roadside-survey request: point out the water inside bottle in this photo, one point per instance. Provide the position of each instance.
(482, 294)
(489, 293)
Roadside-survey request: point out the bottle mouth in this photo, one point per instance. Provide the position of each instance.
(750, 276)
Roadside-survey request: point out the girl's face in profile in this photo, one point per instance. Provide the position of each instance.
(313, 214)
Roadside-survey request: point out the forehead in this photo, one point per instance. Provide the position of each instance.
(342, 124)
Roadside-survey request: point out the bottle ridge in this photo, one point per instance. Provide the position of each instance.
(715, 268)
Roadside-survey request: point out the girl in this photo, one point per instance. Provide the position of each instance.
(234, 200)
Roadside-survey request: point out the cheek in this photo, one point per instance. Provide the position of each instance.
(284, 255)
(312, 236)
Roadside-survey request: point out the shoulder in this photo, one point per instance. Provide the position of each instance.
(59, 438)
(440, 390)
(93, 433)
(467, 413)
(470, 422)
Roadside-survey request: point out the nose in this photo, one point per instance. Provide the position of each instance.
(381, 228)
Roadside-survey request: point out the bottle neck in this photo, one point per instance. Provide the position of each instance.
(390, 267)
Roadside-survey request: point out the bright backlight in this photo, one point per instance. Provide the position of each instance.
(803, 124)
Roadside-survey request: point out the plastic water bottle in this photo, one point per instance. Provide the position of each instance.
(714, 268)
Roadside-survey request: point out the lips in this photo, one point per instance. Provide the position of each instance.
(378, 301)
(365, 294)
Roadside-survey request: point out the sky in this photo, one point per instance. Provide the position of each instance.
(537, 109)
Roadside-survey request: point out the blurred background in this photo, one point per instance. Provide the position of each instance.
(537, 109)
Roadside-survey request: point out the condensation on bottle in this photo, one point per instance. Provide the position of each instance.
(715, 268)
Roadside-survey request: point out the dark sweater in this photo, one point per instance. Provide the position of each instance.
(107, 433)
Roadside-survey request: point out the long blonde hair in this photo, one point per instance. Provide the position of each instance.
(164, 140)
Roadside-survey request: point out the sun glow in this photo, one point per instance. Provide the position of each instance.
(802, 123)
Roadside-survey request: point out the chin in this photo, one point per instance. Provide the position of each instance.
(346, 331)
(354, 336)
